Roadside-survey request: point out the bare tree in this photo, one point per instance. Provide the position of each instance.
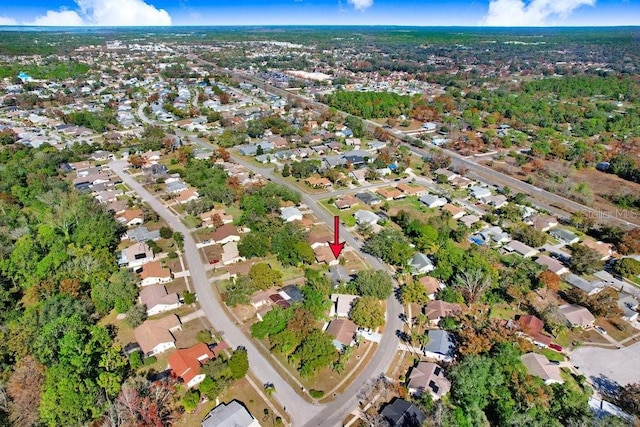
(472, 284)
(24, 388)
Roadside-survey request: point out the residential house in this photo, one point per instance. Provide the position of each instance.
(359, 175)
(533, 327)
(207, 217)
(291, 293)
(153, 273)
(542, 223)
(338, 275)
(366, 217)
(343, 332)
(412, 190)
(461, 182)
(225, 234)
(432, 201)
(480, 192)
(176, 187)
(428, 377)
(588, 287)
(469, 220)
(368, 198)
(130, 217)
(390, 193)
(446, 172)
(438, 310)
(136, 255)
(455, 211)
(142, 234)
(565, 236)
(341, 304)
(346, 202)
(290, 214)
(420, 264)
(497, 201)
(318, 182)
(232, 414)
(155, 336)
(230, 254)
(431, 286)
(319, 236)
(629, 307)
(325, 255)
(441, 345)
(604, 249)
(577, 316)
(539, 366)
(521, 248)
(156, 299)
(401, 413)
(185, 363)
(552, 264)
(187, 196)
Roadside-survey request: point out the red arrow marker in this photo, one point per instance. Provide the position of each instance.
(336, 246)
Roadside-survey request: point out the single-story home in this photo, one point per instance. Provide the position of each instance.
(441, 345)
(552, 264)
(480, 192)
(157, 300)
(225, 234)
(521, 248)
(437, 310)
(420, 264)
(290, 214)
(343, 331)
(153, 273)
(539, 366)
(432, 201)
(565, 236)
(341, 304)
(185, 363)
(401, 413)
(155, 336)
(577, 315)
(428, 377)
(366, 217)
(232, 414)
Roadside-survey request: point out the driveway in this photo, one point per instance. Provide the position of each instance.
(601, 365)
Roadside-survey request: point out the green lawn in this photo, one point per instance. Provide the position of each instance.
(288, 273)
(550, 354)
(191, 221)
(346, 216)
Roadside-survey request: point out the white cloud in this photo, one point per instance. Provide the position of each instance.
(361, 4)
(106, 13)
(63, 18)
(5, 20)
(518, 13)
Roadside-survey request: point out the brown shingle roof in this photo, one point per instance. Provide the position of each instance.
(343, 330)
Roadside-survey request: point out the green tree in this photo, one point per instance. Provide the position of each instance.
(136, 315)
(239, 363)
(391, 246)
(374, 283)
(264, 277)
(414, 292)
(238, 291)
(254, 244)
(166, 232)
(585, 260)
(315, 352)
(367, 312)
(190, 400)
(627, 267)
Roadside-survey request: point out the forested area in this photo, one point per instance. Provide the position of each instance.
(58, 275)
(370, 105)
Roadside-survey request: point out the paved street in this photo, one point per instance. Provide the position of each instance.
(598, 364)
(298, 409)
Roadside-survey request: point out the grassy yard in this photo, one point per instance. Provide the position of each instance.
(191, 221)
(618, 329)
(346, 215)
(550, 354)
(503, 311)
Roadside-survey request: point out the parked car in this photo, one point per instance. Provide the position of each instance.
(214, 261)
(555, 347)
(600, 329)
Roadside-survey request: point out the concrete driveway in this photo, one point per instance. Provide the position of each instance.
(601, 365)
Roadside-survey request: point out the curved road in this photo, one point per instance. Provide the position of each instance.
(298, 409)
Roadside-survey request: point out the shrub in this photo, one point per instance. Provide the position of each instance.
(135, 360)
(189, 297)
(172, 255)
(204, 336)
(150, 360)
(316, 394)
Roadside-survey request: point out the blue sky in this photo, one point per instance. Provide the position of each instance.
(330, 12)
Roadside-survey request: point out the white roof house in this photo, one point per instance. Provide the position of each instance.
(480, 192)
(290, 214)
(366, 217)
